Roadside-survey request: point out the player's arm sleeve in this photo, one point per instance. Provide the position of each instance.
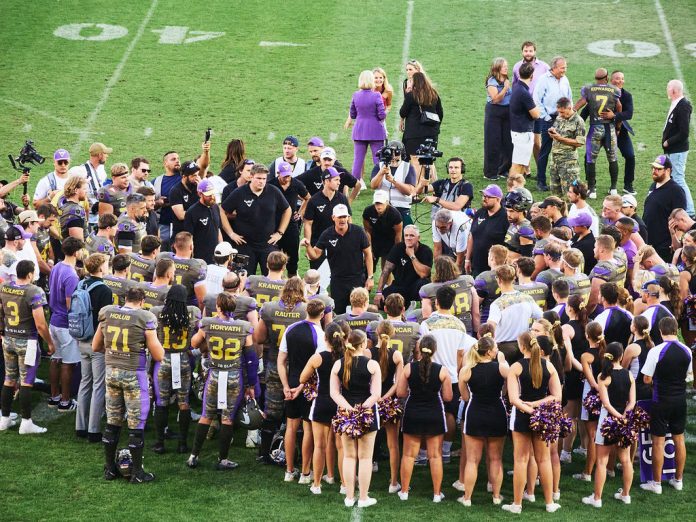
(251, 365)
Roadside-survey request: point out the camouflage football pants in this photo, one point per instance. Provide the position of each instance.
(597, 138)
(127, 391)
(162, 381)
(275, 398)
(563, 172)
(14, 349)
(210, 394)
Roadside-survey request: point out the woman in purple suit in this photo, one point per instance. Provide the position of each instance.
(367, 110)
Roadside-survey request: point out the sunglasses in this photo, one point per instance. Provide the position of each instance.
(146, 170)
(62, 162)
(249, 162)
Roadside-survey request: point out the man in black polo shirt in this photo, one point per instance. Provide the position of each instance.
(312, 179)
(294, 192)
(184, 194)
(317, 216)
(583, 239)
(410, 262)
(349, 254)
(488, 228)
(664, 195)
(203, 221)
(262, 216)
(523, 112)
(383, 225)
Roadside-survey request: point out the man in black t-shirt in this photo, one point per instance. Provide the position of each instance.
(183, 195)
(383, 225)
(489, 226)
(202, 220)
(261, 218)
(583, 239)
(312, 179)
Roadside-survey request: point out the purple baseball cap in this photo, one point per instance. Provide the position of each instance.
(284, 169)
(61, 154)
(17, 233)
(493, 191)
(662, 162)
(206, 188)
(315, 141)
(330, 173)
(582, 219)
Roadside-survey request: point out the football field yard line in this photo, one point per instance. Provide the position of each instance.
(672, 50)
(404, 58)
(92, 118)
(45, 114)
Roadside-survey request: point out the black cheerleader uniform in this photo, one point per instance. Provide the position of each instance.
(388, 377)
(323, 406)
(619, 391)
(424, 411)
(485, 414)
(519, 420)
(572, 389)
(596, 369)
(358, 389)
(643, 391)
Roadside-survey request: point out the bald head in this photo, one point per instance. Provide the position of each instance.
(675, 89)
(601, 74)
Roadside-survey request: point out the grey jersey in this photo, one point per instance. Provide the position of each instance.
(142, 269)
(226, 340)
(119, 288)
(16, 312)
(124, 336)
(245, 304)
(154, 295)
(263, 289)
(188, 272)
(405, 337)
(358, 322)
(463, 286)
(172, 340)
(99, 244)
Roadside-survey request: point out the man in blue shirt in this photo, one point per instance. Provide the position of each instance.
(523, 112)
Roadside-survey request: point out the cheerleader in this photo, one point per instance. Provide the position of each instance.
(617, 390)
(357, 380)
(427, 386)
(634, 357)
(591, 365)
(323, 407)
(391, 364)
(531, 381)
(481, 383)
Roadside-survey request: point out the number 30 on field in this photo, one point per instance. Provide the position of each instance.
(170, 34)
(630, 48)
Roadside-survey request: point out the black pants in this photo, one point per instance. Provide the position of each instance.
(340, 290)
(623, 141)
(497, 141)
(257, 256)
(290, 244)
(409, 293)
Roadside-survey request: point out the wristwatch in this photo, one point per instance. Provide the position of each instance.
(412, 258)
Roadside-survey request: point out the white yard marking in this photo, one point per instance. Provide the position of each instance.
(27, 127)
(148, 132)
(92, 118)
(404, 58)
(281, 44)
(29, 108)
(641, 147)
(271, 136)
(333, 136)
(456, 141)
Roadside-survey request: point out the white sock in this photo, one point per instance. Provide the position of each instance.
(446, 447)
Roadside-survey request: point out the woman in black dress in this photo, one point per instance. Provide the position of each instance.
(391, 364)
(323, 407)
(421, 99)
(357, 380)
(426, 385)
(531, 381)
(481, 383)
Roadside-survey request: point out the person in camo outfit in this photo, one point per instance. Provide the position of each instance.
(126, 333)
(568, 134)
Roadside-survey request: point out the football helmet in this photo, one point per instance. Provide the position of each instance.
(249, 416)
(124, 463)
(518, 201)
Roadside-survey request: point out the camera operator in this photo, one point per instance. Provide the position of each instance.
(10, 208)
(451, 234)
(396, 177)
(383, 225)
(454, 193)
(51, 183)
(312, 178)
(222, 257)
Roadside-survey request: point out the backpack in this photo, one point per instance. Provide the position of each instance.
(80, 323)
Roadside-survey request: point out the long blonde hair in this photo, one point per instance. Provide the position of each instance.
(477, 352)
(386, 86)
(530, 345)
(355, 339)
(385, 331)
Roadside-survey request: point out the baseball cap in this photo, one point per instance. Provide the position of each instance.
(224, 249)
(18, 232)
(330, 173)
(662, 162)
(28, 216)
(380, 196)
(328, 152)
(582, 219)
(551, 201)
(627, 200)
(99, 148)
(340, 211)
(315, 141)
(493, 191)
(189, 167)
(292, 140)
(645, 285)
(206, 188)
(61, 154)
(284, 169)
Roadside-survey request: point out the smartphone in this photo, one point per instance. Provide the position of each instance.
(207, 134)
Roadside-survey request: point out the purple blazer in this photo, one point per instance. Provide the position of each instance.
(367, 109)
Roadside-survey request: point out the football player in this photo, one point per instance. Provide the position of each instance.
(189, 271)
(358, 318)
(118, 282)
(268, 288)
(143, 264)
(156, 292)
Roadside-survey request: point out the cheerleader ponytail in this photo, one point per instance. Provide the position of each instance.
(535, 369)
(671, 288)
(385, 331)
(355, 339)
(427, 346)
(642, 328)
(595, 334)
(477, 352)
(335, 338)
(613, 353)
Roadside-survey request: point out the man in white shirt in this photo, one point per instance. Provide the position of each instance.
(451, 234)
(51, 183)
(94, 172)
(218, 271)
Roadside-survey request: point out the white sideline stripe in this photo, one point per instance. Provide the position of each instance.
(404, 58)
(45, 114)
(333, 136)
(672, 50)
(281, 44)
(92, 118)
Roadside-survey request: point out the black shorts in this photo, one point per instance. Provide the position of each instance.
(297, 408)
(668, 416)
(452, 407)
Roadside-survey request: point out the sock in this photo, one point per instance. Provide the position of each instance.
(268, 429)
(199, 438)
(110, 440)
(225, 440)
(184, 423)
(613, 173)
(591, 175)
(6, 400)
(136, 443)
(161, 417)
(446, 447)
(24, 398)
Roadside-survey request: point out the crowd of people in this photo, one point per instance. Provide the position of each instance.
(146, 291)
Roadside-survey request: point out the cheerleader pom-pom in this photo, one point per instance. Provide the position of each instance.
(390, 410)
(639, 418)
(565, 426)
(545, 421)
(690, 307)
(310, 388)
(624, 430)
(592, 402)
(354, 423)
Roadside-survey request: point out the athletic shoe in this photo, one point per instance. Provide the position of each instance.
(583, 477)
(53, 402)
(192, 462)
(489, 487)
(402, 495)
(158, 447)
(369, 501)
(252, 439)
(464, 502)
(67, 407)
(342, 490)
(305, 479)
(6, 423)
(27, 427)
(498, 500)
(630, 190)
(111, 472)
(328, 480)
(315, 490)
(264, 459)
(14, 416)
(395, 488)
(421, 462)
(650, 485)
(566, 457)
(529, 498)
(613, 192)
(611, 473)
(676, 484)
(226, 465)
(592, 194)
(459, 486)
(438, 498)
(553, 507)
(494, 177)
(362, 185)
(290, 476)
(556, 496)
(580, 451)
(512, 508)
(141, 477)
(626, 499)
(349, 502)
(590, 500)
(375, 467)
(94, 438)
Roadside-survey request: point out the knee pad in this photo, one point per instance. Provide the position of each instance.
(136, 439)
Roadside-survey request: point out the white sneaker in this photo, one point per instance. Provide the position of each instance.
(583, 477)
(6, 423)
(556, 496)
(592, 194)
(626, 499)
(316, 490)
(395, 488)
(529, 498)
(195, 416)
(369, 501)
(650, 485)
(498, 500)
(362, 185)
(375, 467)
(402, 495)
(342, 490)
(464, 502)
(459, 486)
(566, 457)
(27, 427)
(328, 480)
(553, 507)
(590, 500)
(489, 487)
(306, 479)
(580, 451)
(676, 484)
(252, 438)
(512, 508)
(15, 416)
(438, 498)
(349, 502)
(613, 192)
(290, 476)
(611, 474)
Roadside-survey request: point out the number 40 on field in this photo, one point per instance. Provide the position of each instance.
(170, 34)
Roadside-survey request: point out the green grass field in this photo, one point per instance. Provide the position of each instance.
(148, 91)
